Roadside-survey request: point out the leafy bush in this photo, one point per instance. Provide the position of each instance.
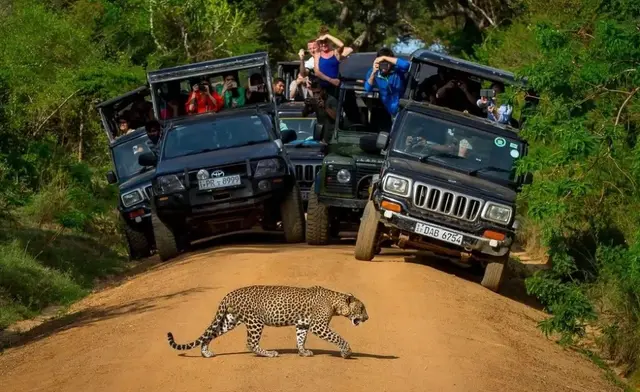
(31, 286)
(582, 57)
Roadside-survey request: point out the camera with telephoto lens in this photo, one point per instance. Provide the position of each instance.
(384, 66)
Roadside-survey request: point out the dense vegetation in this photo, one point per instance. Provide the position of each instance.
(58, 57)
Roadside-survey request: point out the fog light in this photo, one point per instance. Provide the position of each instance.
(493, 243)
(388, 214)
(138, 219)
(263, 185)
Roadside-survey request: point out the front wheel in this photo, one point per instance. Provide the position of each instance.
(495, 272)
(317, 221)
(293, 216)
(368, 233)
(166, 241)
(137, 242)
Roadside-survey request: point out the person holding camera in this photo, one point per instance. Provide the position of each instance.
(456, 94)
(201, 99)
(300, 88)
(232, 94)
(257, 91)
(389, 75)
(487, 101)
(325, 107)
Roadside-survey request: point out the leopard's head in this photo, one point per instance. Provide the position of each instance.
(353, 309)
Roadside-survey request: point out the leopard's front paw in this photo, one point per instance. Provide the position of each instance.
(346, 353)
(306, 353)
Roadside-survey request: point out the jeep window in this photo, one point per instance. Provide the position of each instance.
(363, 112)
(303, 126)
(126, 156)
(220, 133)
(449, 144)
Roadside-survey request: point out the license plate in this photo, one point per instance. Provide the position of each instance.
(305, 195)
(219, 182)
(437, 233)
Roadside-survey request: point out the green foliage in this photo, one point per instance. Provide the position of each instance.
(583, 58)
(31, 286)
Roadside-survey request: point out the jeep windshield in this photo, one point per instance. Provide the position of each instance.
(126, 155)
(470, 150)
(303, 126)
(216, 134)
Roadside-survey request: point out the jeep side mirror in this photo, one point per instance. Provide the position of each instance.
(288, 135)
(111, 177)
(382, 140)
(147, 159)
(527, 178)
(317, 132)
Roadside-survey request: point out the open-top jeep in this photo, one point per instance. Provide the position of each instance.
(221, 172)
(134, 181)
(448, 183)
(340, 186)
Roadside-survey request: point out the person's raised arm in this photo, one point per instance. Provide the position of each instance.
(371, 78)
(303, 69)
(338, 43)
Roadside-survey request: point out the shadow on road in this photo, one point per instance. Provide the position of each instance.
(316, 352)
(90, 316)
(512, 288)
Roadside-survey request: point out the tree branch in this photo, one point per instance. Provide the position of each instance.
(55, 111)
(153, 34)
(483, 12)
(625, 104)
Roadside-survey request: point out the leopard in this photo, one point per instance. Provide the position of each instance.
(257, 306)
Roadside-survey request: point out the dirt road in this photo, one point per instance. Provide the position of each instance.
(428, 331)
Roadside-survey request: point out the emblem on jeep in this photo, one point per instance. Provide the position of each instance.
(217, 173)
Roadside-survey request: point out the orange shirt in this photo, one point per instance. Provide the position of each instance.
(204, 103)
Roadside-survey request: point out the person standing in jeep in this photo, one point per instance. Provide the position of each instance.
(202, 100)
(389, 75)
(324, 106)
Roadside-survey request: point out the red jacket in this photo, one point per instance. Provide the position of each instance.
(204, 103)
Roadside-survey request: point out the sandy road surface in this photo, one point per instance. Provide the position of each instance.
(428, 331)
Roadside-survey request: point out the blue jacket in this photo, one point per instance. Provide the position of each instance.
(391, 87)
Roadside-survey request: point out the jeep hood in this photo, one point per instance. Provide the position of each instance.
(306, 152)
(218, 157)
(452, 179)
(142, 179)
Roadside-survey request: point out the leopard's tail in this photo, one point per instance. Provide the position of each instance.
(215, 325)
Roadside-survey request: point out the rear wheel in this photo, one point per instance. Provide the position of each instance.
(317, 221)
(495, 272)
(368, 234)
(293, 216)
(137, 242)
(166, 241)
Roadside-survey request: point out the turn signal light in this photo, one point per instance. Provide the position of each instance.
(387, 205)
(136, 213)
(494, 235)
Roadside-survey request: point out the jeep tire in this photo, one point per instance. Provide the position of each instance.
(317, 221)
(292, 214)
(367, 243)
(166, 241)
(137, 242)
(495, 272)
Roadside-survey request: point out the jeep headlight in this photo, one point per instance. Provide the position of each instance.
(266, 167)
(131, 198)
(343, 176)
(168, 184)
(397, 185)
(497, 213)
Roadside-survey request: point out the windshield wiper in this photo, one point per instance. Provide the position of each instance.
(488, 168)
(202, 151)
(425, 158)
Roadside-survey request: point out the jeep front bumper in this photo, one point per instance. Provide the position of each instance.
(424, 234)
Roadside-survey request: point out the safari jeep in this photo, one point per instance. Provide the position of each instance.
(448, 185)
(339, 192)
(221, 172)
(134, 181)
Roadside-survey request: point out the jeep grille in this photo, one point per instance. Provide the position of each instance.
(446, 202)
(149, 192)
(306, 173)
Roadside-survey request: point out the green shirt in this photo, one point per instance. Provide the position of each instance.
(228, 99)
